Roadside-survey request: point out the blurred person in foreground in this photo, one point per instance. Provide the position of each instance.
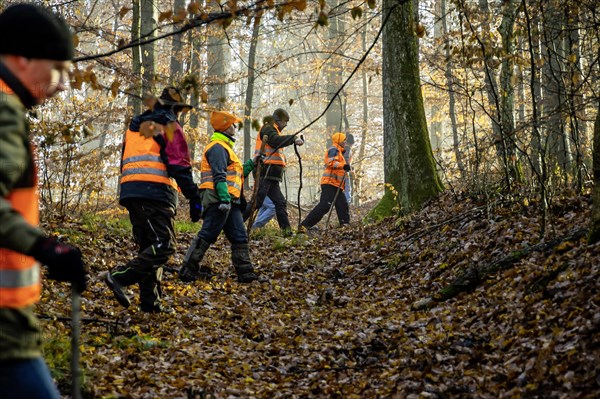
(36, 48)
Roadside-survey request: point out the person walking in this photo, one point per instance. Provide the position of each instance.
(221, 183)
(155, 163)
(35, 51)
(332, 181)
(265, 213)
(273, 167)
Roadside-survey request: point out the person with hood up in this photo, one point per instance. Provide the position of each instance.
(155, 165)
(332, 182)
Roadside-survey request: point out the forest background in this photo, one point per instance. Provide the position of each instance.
(475, 124)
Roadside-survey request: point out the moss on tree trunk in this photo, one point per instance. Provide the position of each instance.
(408, 160)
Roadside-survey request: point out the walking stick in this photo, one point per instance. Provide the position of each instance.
(252, 216)
(337, 192)
(300, 186)
(75, 333)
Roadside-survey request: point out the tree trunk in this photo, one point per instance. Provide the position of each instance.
(250, 93)
(134, 101)
(218, 58)
(148, 15)
(196, 70)
(507, 120)
(451, 97)
(177, 47)
(410, 173)
(594, 235)
(359, 162)
(554, 91)
(334, 72)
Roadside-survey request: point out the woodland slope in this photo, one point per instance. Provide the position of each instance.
(336, 319)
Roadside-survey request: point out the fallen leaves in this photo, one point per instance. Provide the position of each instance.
(335, 319)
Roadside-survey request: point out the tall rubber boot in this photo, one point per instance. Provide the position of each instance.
(190, 271)
(240, 257)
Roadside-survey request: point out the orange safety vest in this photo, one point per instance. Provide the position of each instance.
(20, 284)
(334, 169)
(235, 171)
(142, 161)
(272, 156)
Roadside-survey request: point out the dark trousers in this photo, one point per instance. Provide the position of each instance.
(271, 189)
(328, 193)
(154, 233)
(231, 223)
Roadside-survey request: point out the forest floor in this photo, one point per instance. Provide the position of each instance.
(337, 317)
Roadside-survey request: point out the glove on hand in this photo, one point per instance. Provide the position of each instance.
(299, 142)
(195, 209)
(248, 167)
(225, 207)
(347, 167)
(258, 158)
(64, 261)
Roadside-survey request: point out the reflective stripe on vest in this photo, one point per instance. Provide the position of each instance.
(20, 274)
(334, 169)
(142, 161)
(235, 171)
(272, 156)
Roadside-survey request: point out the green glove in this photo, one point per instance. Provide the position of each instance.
(223, 192)
(248, 167)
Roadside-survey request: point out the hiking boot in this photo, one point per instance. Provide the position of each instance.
(205, 273)
(247, 278)
(187, 274)
(117, 290)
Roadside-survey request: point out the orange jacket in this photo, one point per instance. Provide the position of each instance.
(334, 167)
(20, 274)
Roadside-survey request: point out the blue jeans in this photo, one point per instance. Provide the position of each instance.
(232, 224)
(265, 213)
(26, 378)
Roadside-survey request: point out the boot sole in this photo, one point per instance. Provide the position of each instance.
(117, 291)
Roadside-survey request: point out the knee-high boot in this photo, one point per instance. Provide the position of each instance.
(191, 271)
(240, 257)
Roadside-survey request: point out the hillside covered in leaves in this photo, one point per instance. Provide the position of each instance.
(341, 317)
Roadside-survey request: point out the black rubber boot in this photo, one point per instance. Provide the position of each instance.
(191, 262)
(240, 257)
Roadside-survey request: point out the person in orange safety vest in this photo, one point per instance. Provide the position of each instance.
(221, 183)
(155, 164)
(332, 182)
(273, 168)
(36, 49)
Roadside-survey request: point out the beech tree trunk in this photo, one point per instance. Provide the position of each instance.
(409, 168)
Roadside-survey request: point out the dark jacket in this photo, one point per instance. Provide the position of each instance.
(275, 172)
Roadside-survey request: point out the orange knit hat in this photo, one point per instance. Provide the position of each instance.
(221, 120)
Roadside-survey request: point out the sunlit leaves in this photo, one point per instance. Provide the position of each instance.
(165, 15)
(322, 20)
(356, 12)
(193, 7)
(123, 11)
